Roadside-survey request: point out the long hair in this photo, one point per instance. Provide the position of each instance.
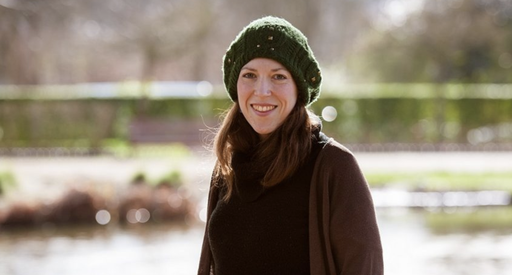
(282, 152)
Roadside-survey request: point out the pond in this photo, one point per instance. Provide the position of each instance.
(145, 249)
(458, 242)
(419, 242)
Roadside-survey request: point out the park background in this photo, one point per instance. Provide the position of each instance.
(108, 108)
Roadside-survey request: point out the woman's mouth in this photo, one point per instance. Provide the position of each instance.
(263, 108)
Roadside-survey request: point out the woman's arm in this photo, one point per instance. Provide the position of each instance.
(206, 259)
(352, 225)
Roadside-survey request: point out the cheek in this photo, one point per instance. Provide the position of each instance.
(291, 105)
(291, 97)
(242, 90)
(243, 97)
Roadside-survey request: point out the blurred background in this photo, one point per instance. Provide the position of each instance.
(108, 110)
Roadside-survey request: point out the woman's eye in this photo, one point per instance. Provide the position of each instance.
(280, 77)
(249, 75)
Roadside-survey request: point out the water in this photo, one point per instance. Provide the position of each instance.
(416, 242)
(412, 245)
(146, 249)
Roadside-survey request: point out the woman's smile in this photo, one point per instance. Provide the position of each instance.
(263, 108)
(266, 94)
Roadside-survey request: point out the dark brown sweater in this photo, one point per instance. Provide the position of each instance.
(343, 232)
(263, 230)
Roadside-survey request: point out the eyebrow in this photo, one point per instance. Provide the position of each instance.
(273, 70)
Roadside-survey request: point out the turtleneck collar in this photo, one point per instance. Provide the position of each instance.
(249, 174)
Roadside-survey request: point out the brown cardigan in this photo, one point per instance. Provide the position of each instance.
(343, 233)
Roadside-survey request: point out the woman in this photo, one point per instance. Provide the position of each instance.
(284, 198)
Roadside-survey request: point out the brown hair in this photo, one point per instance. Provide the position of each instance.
(283, 151)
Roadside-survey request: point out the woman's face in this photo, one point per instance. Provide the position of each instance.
(266, 94)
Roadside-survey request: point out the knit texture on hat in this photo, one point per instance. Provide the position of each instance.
(274, 38)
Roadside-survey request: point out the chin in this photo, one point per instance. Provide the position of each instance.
(263, 132)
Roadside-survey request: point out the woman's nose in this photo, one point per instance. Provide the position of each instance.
(263, 87)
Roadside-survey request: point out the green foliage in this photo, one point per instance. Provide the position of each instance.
(413, 120)
(117, 146)
(369, 113)
(7, 181)
(485, 219)
(173, 178)
(467, 42)
(139, 178)
(442, 181)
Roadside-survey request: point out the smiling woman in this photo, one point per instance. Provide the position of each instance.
(284, 198)
(266, 94)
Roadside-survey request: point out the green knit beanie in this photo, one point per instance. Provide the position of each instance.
(276, 39)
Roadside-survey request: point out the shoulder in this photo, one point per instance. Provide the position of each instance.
(338, 166)
(335, 152)
(337, 172)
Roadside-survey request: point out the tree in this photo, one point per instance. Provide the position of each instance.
(461, 41)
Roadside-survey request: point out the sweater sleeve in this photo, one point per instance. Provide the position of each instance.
(352, 229)
(206, 258)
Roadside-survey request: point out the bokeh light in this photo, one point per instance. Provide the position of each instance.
(174, 201)
(329, 113)
(204, 88)
(140, 215)
(103, 217)
(203, 214)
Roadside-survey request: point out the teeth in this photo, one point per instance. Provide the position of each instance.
(265, 108)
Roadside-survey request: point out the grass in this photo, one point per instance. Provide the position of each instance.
(7, 181)
(442, 181)
(492, 218)
(124, 149)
